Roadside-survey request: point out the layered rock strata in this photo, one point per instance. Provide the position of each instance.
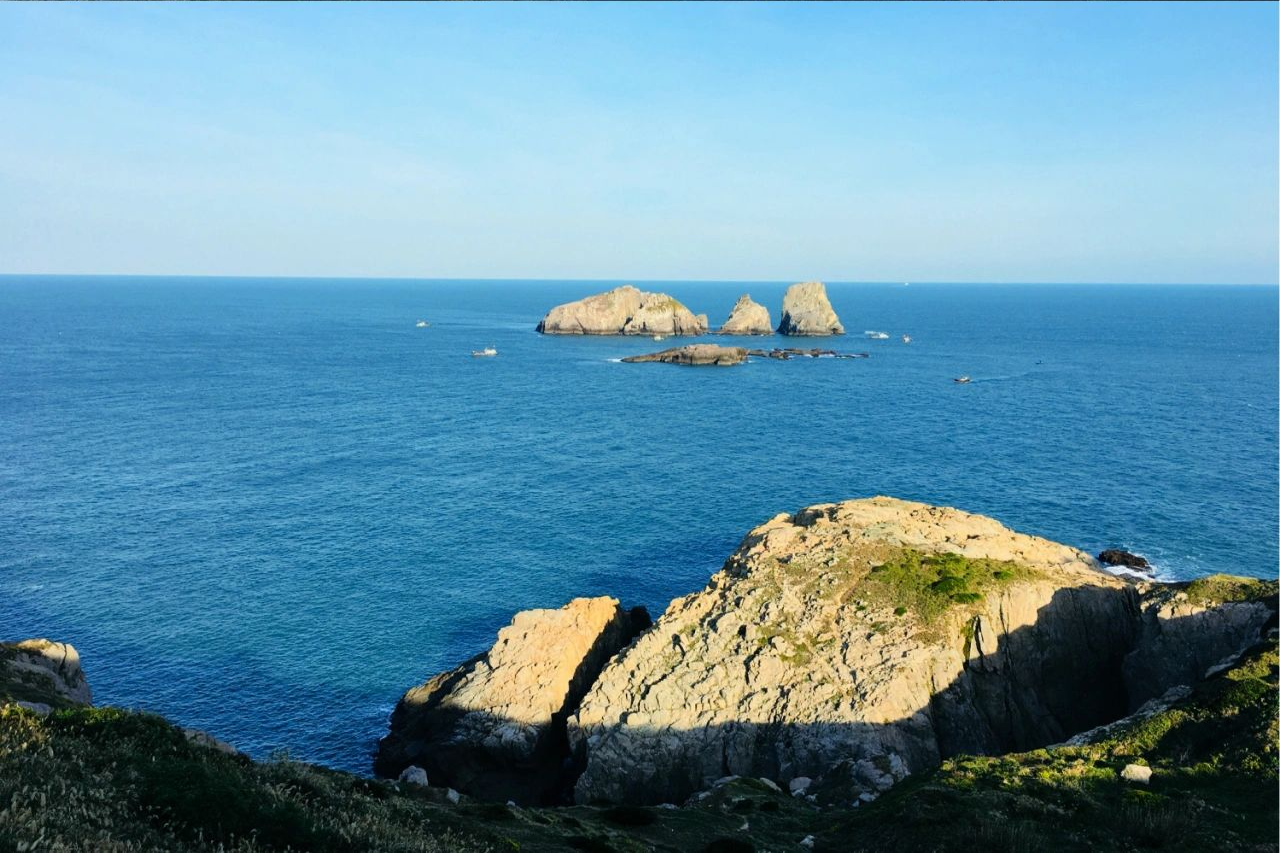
(625, 310)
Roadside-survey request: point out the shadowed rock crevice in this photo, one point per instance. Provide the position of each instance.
(496, 724)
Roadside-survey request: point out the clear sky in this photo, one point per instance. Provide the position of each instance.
(861, 142)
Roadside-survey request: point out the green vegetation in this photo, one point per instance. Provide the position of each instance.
(929, 585)
(1218, 589)
(110, 780)
(1213, 785)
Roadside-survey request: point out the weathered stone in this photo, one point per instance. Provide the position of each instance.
(43, 672)
(414, 775)
(807, 311)
(1137, 773)
(1116, 557)
(625, 310)
(748, 317)
(694, 354)
(494, 726)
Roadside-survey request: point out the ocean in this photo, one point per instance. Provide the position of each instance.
(266, 507)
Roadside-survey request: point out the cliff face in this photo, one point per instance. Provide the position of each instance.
(841, 634)
(853, 644)
(496, 723)
(625, 310)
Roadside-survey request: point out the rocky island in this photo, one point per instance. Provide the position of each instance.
(874, 674)
(625, 310)
(807, 311)
(748, 317)
(695, 355)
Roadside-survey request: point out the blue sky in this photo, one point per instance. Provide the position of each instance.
(861, 142)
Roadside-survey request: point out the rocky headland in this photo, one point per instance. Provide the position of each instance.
(869, 675)
(625, 310)
(748, 317)
(847, 646)
(806, 311)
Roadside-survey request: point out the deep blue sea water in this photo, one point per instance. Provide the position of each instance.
(267, 507)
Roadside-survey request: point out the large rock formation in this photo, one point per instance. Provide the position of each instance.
(495, 724)
(869, 639)
(748, 317)
(42, 674)
(694, 354)
(844, 646)
(625, 310)
(807, 311)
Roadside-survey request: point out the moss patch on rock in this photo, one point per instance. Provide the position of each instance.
(929, 585)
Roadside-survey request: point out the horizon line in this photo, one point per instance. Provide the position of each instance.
(625, 280)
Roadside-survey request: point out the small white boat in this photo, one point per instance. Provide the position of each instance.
(962, 380)
(422, 324)
(483, 353)
(877, 336)
(659, 337)
(906, 339)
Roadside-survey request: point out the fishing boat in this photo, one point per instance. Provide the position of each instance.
(906, 339)
(962, 380)
(422, 324)
(483, 353)
(877, 336)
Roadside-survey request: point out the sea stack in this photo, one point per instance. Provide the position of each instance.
(748, 317)
(625, 310)
(806, 311)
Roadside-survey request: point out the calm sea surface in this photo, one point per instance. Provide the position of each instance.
(267, 507)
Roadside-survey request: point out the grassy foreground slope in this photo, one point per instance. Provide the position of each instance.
(102, 779)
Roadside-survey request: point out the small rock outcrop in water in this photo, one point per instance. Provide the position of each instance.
(853, 644)
(625, 310)
(1116, 557)
(43, 674)
(748, 317)
(694, 354)
(807, 311)
(495, 724)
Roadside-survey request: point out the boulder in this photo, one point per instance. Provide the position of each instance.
(747, 318)
(1136, 773)
(414, 775)
(494, 726)
(694, 354)
(807, 311)
(1116, 557)
(625, 310)
(43, 672)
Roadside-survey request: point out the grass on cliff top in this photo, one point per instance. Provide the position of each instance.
(111, 780)
(929, 585)
(1213, 785)
(1220, 589)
